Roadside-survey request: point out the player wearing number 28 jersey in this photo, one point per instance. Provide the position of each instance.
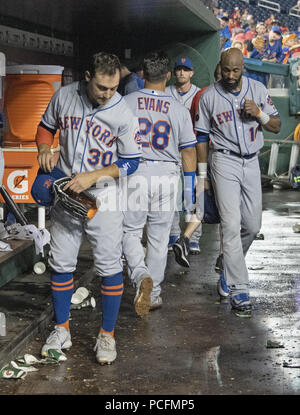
(165, 130)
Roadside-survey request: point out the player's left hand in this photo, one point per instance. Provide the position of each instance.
(81, 181)
(251, 108)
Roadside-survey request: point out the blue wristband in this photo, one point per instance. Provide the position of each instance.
(189, 190)
(127, 166)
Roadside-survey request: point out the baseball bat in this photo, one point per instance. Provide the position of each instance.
(13, 207)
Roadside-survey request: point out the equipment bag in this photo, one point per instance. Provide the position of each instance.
(295, 177)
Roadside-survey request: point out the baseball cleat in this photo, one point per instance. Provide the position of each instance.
(142, 298)
(181, 251)
(219, 264)
(241, 305)
(222, 286)
(194, 248)
(105, 349)
(59, 339)
(156, 303)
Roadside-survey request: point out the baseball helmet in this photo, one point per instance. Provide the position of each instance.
(42, 189)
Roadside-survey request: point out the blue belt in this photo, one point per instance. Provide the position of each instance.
(233, 153)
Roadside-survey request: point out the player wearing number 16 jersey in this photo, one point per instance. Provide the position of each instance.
(233, 113)
(165, 130)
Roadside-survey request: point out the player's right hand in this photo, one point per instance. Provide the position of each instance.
(45, 158)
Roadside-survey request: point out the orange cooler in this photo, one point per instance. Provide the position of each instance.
(27, 92)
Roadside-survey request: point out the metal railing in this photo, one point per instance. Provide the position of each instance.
(295, 11)
(272, 5)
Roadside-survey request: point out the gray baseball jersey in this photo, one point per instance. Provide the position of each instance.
(90, 138)
(165, 125)
(235, 172)
(221, 116)
(185, 99)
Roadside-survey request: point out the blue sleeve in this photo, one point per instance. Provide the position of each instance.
(255, 54)
(202, 137)
(127, 166)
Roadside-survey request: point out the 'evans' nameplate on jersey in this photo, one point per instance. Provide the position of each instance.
(165, 124)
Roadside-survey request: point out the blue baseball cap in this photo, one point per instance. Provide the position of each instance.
(276, 29)
(42, 189)
(183, 61)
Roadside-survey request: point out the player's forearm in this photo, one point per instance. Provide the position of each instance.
(45, 157)
(189, 159)
(112, 171)
(273, 125)
(83, 181)
(202, 157)
(202, 152)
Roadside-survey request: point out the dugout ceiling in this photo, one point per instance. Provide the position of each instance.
(116, 25)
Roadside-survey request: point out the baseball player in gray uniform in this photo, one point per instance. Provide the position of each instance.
(184, 92)
(233, 112)
(166, 131)
(98, 143)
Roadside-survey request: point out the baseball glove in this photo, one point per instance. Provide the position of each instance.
(259, 43)
(81, 205)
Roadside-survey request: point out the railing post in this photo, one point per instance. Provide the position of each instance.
(273, 159)
(293, 157)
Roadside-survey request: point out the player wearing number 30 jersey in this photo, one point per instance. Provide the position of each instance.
(98, 143)
(165, 130)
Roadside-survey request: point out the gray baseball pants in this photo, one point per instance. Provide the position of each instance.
(155, 205)
(237, 185)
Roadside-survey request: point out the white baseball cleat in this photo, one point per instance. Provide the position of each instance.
(156, 303)
(105, 349)
(59, 339)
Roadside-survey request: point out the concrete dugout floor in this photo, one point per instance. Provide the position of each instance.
(193, 345)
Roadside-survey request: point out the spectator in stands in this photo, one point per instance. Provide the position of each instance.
(250, 32)
(291, 47)
(269, 21)
(236, 15)
(261, 29)
(249, 46)
(260, 44)
(273, 53)
(225, 33)
(239, 36)
(250, 19)
(236, 18)
(244, 17)
(239, 45)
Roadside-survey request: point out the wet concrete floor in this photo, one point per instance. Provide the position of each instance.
(193, 345)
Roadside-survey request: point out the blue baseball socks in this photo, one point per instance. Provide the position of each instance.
(62, 290)
(112, 288)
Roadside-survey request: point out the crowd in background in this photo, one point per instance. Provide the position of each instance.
(268, 40)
